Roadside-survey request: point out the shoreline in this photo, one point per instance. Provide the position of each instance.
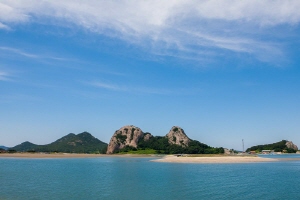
(197, 158)
(215, 159)
(73, 155)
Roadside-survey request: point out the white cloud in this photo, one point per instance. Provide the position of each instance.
(13, 11)
(269, 12)
(3, 26)
(184, 25)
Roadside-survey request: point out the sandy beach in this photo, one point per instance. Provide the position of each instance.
(214, 159)
(52, 155)
(66, 155)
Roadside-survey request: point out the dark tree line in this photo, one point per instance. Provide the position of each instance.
(277, 147)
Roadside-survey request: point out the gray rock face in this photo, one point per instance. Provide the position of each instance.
(291, 145)
(177, 136)
(227, 151)
(125, 136)
(147, 136)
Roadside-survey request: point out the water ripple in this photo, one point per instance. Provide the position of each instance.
(137, 178)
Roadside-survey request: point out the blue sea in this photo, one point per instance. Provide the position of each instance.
(138, 178)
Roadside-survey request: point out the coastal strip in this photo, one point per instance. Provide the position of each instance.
(214, 159)
(69, 155)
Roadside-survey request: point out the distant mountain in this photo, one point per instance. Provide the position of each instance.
(277, 147)
(25, 146)
(71, 143)
(4, 147)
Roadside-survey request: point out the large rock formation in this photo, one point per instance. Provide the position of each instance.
(131, 138)
(177, 136)
(125, 136)
(291, 145)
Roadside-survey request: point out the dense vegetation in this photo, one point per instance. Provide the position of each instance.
(25, 146)
(121, 138)
(161, 145)
(4, 147)
(71, 143)
(277, 147)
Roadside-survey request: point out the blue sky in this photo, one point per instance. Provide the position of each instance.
(222, 70)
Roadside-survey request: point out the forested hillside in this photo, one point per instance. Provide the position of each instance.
(71, 143)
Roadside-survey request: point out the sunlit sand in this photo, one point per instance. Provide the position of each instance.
(214, 159)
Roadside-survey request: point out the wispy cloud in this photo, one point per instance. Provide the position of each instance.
(108, 86)
(11, 98)
(3, 26)
(142, 89)
(32, 55)
(5, 76)
(18, 51)
(183, 25)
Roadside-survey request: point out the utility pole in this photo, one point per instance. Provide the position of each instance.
(243, 145)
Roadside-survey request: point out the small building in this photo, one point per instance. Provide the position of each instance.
(3, 151)
(266, 151)
(252, 152)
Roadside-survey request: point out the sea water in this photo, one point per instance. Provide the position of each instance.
(138, 178)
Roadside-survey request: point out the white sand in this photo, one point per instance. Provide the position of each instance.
(214, 159)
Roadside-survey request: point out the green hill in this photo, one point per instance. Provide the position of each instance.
(4, 147)
(71, 143)
(25, 146)
(277, 147)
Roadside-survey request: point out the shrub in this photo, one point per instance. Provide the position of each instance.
(174, 139)
(121, 138)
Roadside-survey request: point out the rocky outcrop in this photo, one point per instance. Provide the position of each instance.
(291, 145)
(147, 136)
(130, 136)
(177, 136)
(227, 151)
(125, 136)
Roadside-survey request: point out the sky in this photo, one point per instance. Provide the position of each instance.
(223, 70)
